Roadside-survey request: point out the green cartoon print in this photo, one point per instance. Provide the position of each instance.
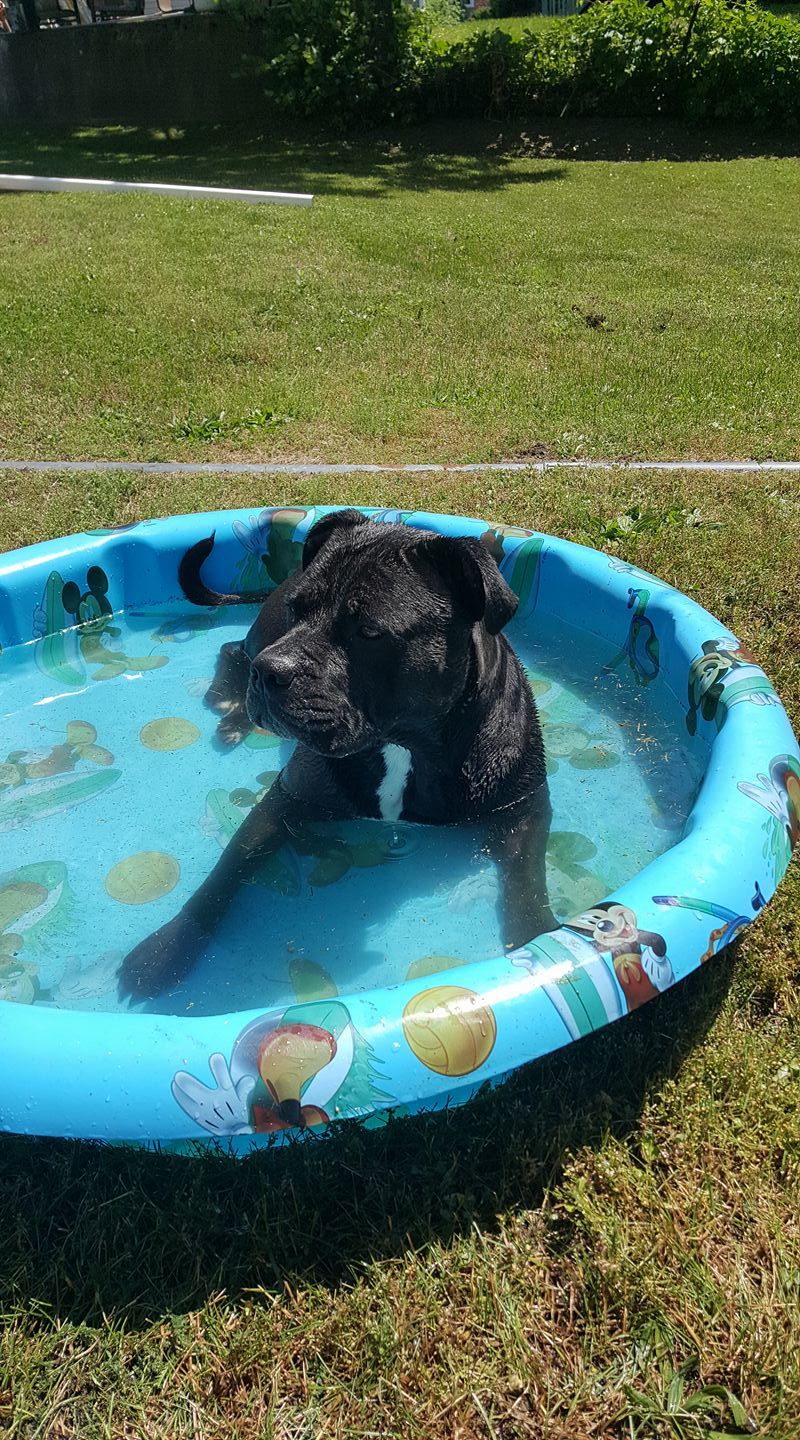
(723, 675)
(35, 784)
(72, 629)
(520, 566)
(641, 648)
(779, 794)
(36, 907)
(272, 551)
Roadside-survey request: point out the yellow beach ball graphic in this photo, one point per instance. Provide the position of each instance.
(450, 1029)
(139, 879)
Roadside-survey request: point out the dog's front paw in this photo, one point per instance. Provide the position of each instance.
(232, 729)
(162, 959)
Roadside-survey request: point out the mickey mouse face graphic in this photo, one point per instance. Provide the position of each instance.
(607, 924)
(93, 604)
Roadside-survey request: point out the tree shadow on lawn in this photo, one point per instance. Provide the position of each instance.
(88, 1232)
(370, 166)
(455, 156)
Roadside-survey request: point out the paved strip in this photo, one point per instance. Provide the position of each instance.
(308, 467)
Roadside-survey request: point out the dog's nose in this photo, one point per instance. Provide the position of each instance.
(274, 671)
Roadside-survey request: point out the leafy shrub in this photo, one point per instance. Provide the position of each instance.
(623, 58)
(712, 61)
(478, 76)
(351, 61)
(743, 64)
(444, 12)
(342, 60)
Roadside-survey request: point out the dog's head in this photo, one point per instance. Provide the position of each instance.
(379, 644)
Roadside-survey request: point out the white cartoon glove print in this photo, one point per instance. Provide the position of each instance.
(657, 968)
(222, 1108)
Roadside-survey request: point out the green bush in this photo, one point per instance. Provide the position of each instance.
(340, 60)
(712, 61)
(351, 61)
(444, 12)
(483, 75)
(733, 63)
(743, 64)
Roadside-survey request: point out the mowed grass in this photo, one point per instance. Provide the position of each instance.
(458, 293)
(516, 25)
(608, 1248)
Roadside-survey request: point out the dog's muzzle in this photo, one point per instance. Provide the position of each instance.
(268, 683)
(283, 697)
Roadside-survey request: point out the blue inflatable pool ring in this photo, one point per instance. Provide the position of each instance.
(364, 973)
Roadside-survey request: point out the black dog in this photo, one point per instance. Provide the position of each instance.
(382, 657)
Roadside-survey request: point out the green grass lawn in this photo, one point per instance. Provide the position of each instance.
(609, 1247)
(455, 293)
(515, 25)
(518, 25)
(606, 1249)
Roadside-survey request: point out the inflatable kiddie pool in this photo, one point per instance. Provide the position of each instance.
(364, 973)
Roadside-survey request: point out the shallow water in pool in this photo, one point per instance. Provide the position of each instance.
(115, 803)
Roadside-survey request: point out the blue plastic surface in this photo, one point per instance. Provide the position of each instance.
(104, 830)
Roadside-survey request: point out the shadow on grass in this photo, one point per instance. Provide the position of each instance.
(441, 158)
(87, 1232)
(468, 155)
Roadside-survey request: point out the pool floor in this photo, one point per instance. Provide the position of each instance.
(115, 802)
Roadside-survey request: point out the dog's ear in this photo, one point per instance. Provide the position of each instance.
(472, 577)
(321, 532)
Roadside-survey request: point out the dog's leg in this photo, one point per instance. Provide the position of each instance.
(226, 695)
(167, 955)
(518, 843)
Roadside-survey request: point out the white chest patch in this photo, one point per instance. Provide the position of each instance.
(390, 791)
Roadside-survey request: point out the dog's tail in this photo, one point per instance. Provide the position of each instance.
(197, 591)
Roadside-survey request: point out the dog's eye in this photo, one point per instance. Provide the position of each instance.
(369, 632)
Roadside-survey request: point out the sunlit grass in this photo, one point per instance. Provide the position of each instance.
(454, 293)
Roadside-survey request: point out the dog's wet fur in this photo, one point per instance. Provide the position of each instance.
(383, 658)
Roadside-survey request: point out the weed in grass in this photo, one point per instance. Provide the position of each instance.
(593, 319)
(682, 1413)
(638, 520)
(226, 427)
